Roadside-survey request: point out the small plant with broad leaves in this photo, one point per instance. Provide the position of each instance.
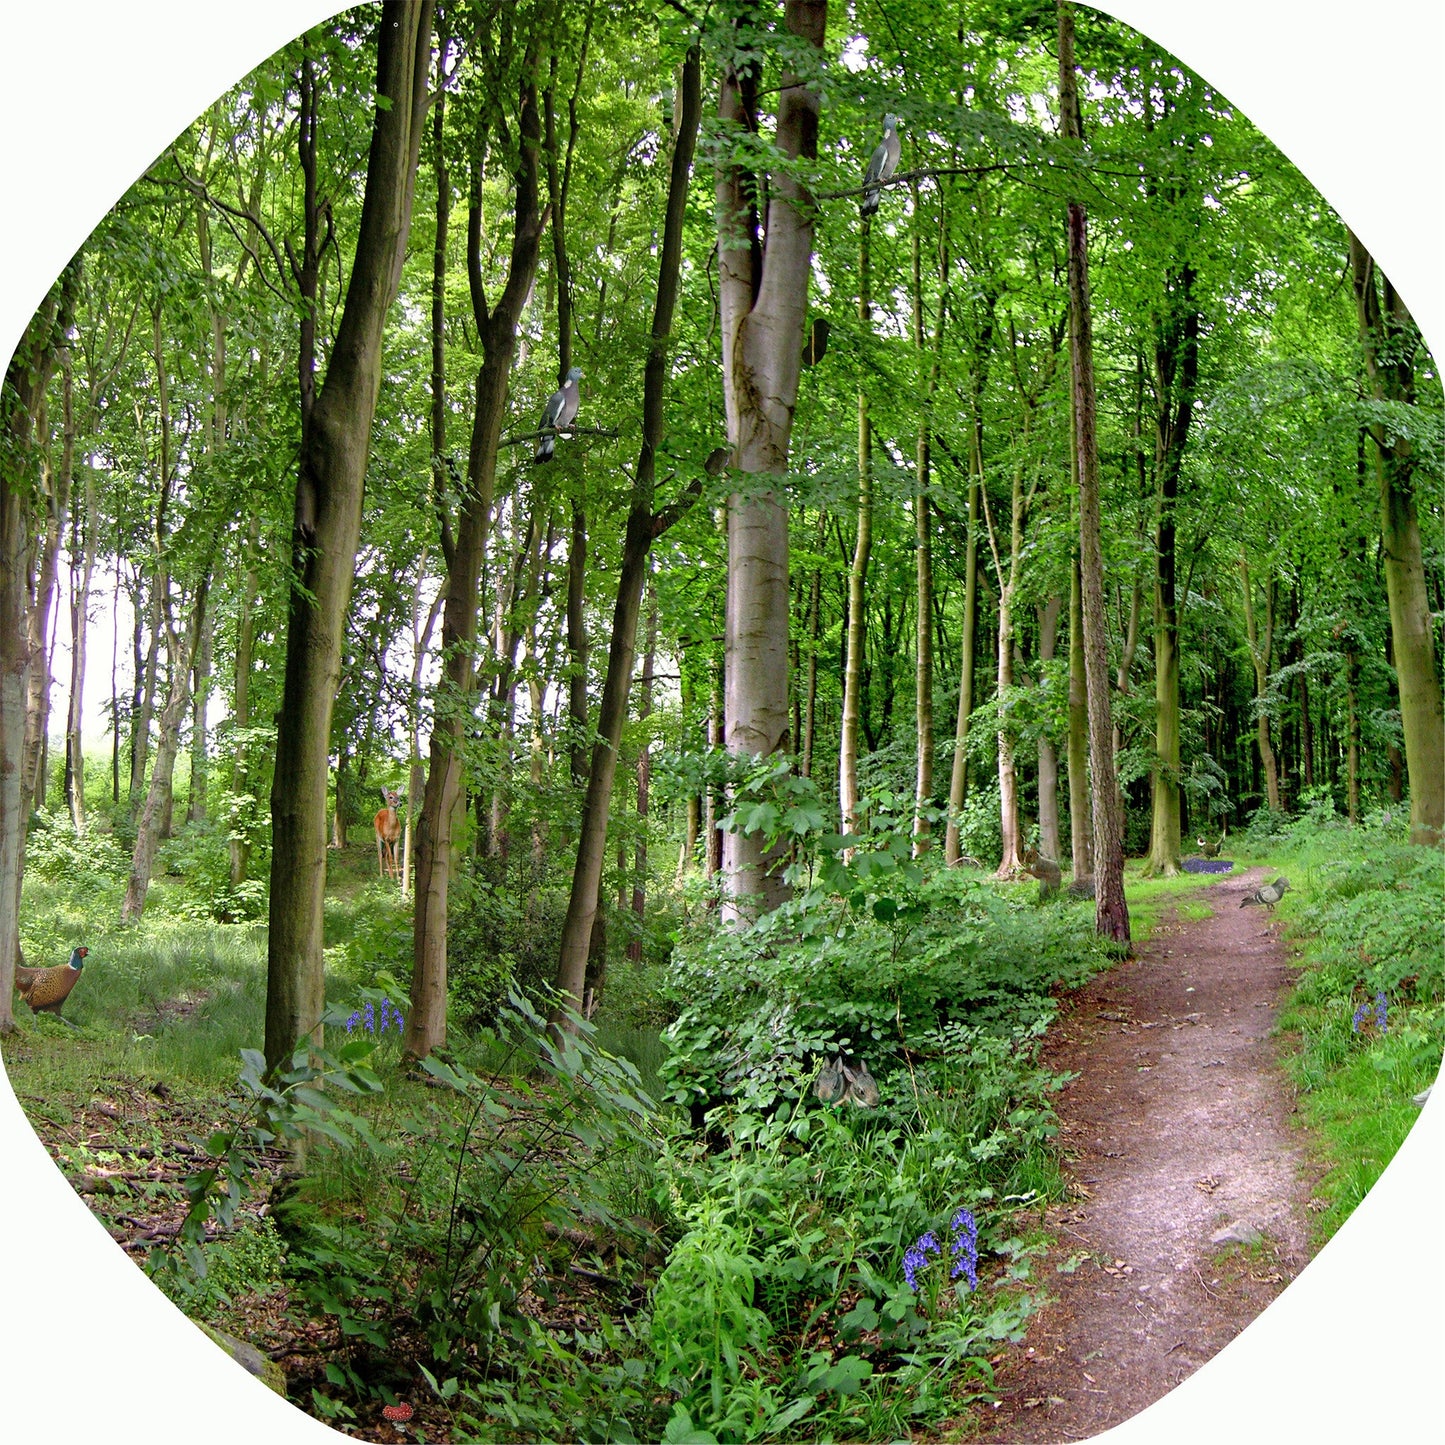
(274, 1110)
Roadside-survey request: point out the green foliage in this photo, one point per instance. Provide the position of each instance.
(274, 1109)
(91, 867)
(248, 1261)
(200, 854)
(1370, 915)
(496, 941)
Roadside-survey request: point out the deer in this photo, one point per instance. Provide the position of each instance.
(388, 831)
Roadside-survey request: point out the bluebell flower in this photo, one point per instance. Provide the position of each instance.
(368, 1014)
(913, 1261)
(1359, 1018)
(916, 1258)
(352, 1022)
(1382, 1013)
(964, 1248)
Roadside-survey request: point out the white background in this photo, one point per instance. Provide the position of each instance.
(91, 91)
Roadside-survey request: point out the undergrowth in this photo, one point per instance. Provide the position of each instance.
(1366, 1021)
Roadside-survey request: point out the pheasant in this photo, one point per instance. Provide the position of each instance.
(1211, 850)
(46, 989)
(1269, 895)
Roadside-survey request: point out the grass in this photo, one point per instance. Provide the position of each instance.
(1151, 899)
(1366, 914)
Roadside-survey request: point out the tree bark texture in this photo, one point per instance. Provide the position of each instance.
(1390, 340)
(857, 580)
(1111, 911)
(644, 780)
(1176, 370)
(958, 776)
(83, 546)
(1050, 843)
(326, 529)
(763, 293)
(1081, 831)
(1261, 653)
(26, 377)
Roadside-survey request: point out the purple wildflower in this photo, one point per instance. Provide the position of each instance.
(1359, 1018)
(913, 1261)
(352, 1022)
(368, 1015)
(1382, 1012)
(916, 1258)
(964, 1248)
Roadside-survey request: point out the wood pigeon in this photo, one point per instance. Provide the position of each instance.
(881, 165)
(561, 408)
(1269, 895)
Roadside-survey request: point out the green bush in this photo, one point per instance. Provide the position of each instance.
(200, 854)
(89, 866)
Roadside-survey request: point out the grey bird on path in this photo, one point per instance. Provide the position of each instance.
(1269, 895)
(560, 411)
(881, 165)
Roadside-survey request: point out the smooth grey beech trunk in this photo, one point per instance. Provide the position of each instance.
(763, 291)
(326, 528)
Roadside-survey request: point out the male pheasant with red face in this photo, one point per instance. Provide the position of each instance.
(46, 989)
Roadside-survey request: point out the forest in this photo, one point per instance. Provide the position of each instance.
(609, 614)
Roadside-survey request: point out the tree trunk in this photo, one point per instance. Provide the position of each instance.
(196, 806)
(644, 779)
(1050, 844)
(497, 334)
(326, 528)
(712, 810)
(1390, 340)
(763, 292)
(149, 829)
(55, 488)
(26, 378)
(857, 578)
(923, 674)
(643, 525)
(958, 777)
(79, 632)
(1261, 652)
(1081, 832)
(1111, 911)
(145, 696)
(1176, 363)
(240, 847)
(810, 692)
(1352, 755)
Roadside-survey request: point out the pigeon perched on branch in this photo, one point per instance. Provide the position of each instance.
(881, 165)
(560, 411)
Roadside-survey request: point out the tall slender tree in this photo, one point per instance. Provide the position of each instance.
(326, 527)
(1111, 911)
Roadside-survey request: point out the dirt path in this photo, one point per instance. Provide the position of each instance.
(1176, 1130)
